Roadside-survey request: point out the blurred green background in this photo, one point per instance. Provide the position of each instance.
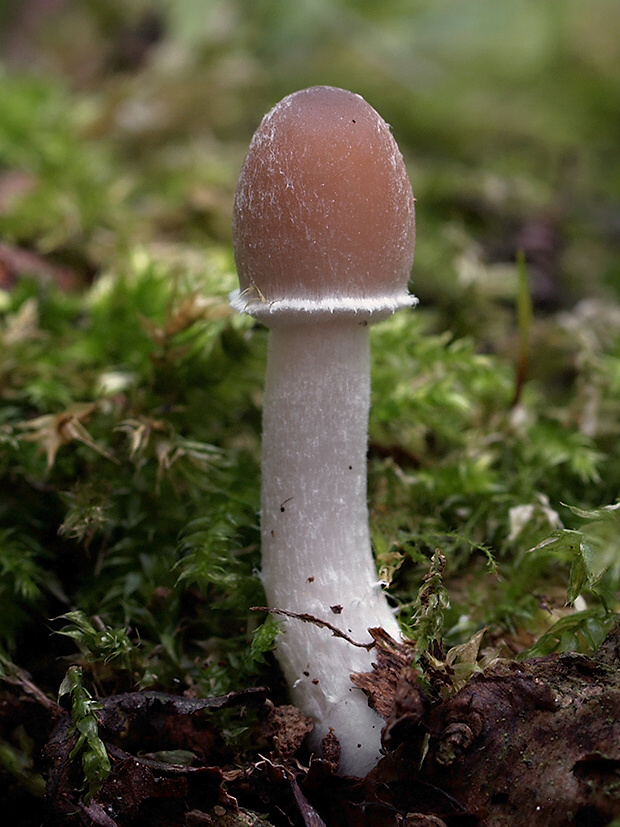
(507, 112)
(123, 125)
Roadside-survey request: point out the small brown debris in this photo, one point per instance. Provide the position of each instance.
(393, 659)
(420, 820)
(286, 728)
(330, 748)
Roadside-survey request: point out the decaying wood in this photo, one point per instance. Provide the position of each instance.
(534, 742)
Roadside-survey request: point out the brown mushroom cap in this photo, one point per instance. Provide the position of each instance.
(324, 213)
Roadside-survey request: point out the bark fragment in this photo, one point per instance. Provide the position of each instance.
(533, 742)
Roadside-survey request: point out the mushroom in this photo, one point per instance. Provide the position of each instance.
(323, 232)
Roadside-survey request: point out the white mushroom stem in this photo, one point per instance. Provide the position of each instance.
(316, 552)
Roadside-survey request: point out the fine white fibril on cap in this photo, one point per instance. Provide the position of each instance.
(324, 218)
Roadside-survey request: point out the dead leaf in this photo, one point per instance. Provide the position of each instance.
(53, 431)
(22, 326)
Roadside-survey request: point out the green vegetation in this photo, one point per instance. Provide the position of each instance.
(95, 760)
(130, 396)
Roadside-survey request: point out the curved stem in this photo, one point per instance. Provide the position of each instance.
(317, 557)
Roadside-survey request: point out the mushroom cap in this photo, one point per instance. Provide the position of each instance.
(324, 218)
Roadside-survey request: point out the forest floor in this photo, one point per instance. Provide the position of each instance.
(137, 682)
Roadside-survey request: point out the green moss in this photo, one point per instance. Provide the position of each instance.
(130, 403)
